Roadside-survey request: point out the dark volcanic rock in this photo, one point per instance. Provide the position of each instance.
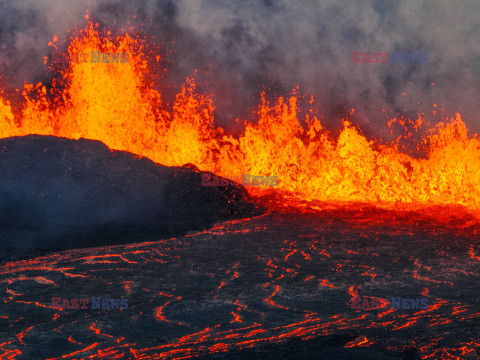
(57, 193)
(319, 348)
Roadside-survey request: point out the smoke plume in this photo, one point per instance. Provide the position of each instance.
(241, 48)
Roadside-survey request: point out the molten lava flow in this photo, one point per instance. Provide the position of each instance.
(116, 104)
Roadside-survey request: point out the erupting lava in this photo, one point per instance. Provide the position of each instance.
(116, 104)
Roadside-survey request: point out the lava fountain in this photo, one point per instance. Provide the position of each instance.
(116, 104)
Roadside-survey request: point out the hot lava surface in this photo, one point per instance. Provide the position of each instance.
(259, 286)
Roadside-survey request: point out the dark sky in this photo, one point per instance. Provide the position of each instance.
(243, 47)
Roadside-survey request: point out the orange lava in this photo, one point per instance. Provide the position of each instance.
(116, 104)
